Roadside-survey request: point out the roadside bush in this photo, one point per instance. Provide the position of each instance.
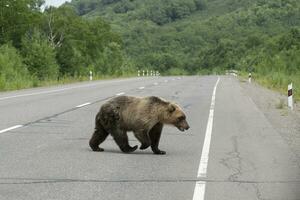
(13, 73)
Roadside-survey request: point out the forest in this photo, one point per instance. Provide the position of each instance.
(175, 37)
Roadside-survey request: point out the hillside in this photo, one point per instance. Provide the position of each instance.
(201, 36)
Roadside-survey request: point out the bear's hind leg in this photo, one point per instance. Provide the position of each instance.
(155, 134)
(98, 137)
(121, 139)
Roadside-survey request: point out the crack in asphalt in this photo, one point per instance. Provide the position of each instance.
(234, 161)
(21, 181)
(257, 192)
(49, 118)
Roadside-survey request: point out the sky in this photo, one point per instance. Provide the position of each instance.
(55, 2)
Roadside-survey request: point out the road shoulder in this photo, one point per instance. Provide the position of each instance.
(274, 107)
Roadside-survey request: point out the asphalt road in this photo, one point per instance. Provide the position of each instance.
(44, 151)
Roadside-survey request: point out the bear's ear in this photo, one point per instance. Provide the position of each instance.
(171, 108)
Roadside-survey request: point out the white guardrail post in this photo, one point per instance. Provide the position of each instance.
(91, 75)
(290, 96)
(250, 77)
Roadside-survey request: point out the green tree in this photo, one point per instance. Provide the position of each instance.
(39, 56)
(17, 17)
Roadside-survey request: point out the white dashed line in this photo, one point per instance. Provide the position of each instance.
(11, 128)
(155, 83)
(85, 104)
(199, 191)
(121, 93)
(141, 88)
(166, 81)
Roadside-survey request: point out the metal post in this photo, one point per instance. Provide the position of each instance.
(138, 72)
(143, 73)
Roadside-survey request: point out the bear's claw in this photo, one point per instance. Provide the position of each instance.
(159, 152)
(129, 149)
(144, 146)
(97, 149)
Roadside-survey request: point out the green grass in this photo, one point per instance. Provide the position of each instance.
(278, 82)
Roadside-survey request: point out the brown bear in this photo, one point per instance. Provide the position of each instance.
(144, 116)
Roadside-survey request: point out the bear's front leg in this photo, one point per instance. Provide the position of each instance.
(98, 137)
(155, 134)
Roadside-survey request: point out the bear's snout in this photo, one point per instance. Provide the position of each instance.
(187, 128)
(183, 126)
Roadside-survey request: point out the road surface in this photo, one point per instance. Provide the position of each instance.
(230, 152)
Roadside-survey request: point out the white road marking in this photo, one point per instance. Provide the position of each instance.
(141, 88)
(52, 91)
(155, 83)
(205, 150)
(11, 128)
(199, 191)
(81, 105)
(166, 81)
(121, 93)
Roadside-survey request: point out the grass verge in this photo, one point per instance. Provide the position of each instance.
(24, 84)
(278, 82)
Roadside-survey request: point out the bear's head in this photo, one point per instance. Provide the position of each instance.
(175, 116)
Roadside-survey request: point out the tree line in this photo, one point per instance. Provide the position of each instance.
(38, 46)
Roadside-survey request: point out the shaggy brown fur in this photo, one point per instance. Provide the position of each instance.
(144, 116)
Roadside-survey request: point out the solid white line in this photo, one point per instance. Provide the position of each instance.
(205, 150)
(37, 93)
(121, 93)
(54, 91)
(85, 104)
(11, 128)
(199, 191)
(141, 88)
